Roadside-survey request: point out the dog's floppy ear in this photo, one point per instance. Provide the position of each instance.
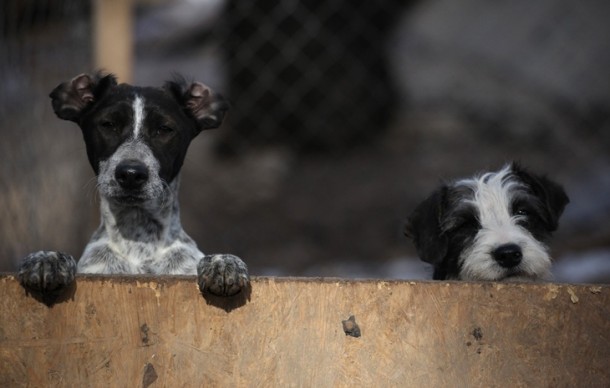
(424, 227)
(70, 98)
(552, 196)
(199, 101)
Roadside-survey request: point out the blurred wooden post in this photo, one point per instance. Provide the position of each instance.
(113, 37)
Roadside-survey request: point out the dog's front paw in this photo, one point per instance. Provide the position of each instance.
(47, 271)
(223, 275)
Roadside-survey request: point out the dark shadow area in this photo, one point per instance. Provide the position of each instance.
(53, 297)
(229, 303)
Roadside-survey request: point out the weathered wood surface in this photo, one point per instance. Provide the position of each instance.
(160, 332)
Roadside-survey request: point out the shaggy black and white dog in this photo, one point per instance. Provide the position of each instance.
(492, 227)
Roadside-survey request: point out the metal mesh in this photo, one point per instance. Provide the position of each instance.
(312, 75)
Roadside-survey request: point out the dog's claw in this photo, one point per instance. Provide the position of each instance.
(47, 271)
(222, 275)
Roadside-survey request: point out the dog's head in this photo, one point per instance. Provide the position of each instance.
(137, 137)
(492, 227)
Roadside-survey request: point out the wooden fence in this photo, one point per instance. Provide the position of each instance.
(161, 332)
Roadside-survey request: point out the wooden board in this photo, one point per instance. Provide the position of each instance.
(160, 332)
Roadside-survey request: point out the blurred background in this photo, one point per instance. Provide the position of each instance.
(346, 114)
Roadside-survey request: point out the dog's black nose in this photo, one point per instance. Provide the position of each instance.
(508, 255)
(131, 174)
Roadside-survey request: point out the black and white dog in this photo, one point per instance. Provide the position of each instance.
(136, 140)
(492, 227)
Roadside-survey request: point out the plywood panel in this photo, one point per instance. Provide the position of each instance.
(124, 331)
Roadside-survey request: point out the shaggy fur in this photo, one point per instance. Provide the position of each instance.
(493, 226)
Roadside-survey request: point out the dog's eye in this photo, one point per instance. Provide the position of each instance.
(466, 223)
(522, 212)
(523, 215)
(163, 130)
(109, 126)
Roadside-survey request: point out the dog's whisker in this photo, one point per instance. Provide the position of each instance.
(165, 194)
(91, 189)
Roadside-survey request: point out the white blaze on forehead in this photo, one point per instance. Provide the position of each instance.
(493, 196)
(138, 115)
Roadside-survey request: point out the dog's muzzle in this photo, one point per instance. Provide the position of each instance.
(132, 176)
(508, 255)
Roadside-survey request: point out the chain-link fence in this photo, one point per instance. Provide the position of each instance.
(314, 75)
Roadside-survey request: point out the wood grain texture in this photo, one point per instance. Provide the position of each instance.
(160, 332)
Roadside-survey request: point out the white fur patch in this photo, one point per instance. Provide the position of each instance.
(138, 115)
